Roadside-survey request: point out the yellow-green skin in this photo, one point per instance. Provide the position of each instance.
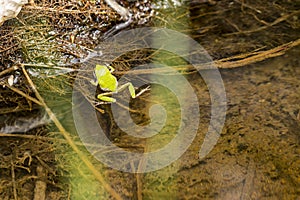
(108, 82)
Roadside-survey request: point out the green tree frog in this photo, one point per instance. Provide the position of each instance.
(109, 83)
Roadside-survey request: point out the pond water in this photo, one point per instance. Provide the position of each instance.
(256, 155)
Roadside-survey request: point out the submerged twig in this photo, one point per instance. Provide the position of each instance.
(13, 177)
(277, 51)
(277, 21)
(16, 90)
(8, 70)
(247, 6)
(40, 185)
(244, 59)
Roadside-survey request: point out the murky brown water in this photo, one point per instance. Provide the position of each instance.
(256, 157)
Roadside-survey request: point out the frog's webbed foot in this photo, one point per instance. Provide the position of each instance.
(132, 90)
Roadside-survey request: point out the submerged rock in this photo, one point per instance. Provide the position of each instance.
(12, 123)
(10, 9)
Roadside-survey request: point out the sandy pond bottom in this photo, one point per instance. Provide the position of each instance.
(258, 154)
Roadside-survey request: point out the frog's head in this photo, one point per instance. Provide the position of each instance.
(101, 70)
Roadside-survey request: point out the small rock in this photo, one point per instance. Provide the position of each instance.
(10, 80)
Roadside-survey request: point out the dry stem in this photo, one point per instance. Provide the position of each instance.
(226, 63)
(277, 21)
(70, 141)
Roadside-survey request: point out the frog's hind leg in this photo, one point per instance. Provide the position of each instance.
(130, 88)
(104, 97)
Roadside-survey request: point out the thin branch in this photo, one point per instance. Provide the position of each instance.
(70, 141)
(8, 70)
(239, 61)
(67, 11)
(16, 90)
(40, 185)
(277, 51)
(224, 63)
(277, 21)
(139, 186)
(13, 177)
(247, 6)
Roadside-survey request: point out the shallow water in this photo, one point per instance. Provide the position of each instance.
(255, 157)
